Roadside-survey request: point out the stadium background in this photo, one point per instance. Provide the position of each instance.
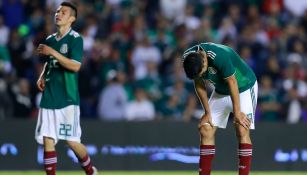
(133, 49)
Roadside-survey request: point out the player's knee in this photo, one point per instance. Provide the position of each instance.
(206, 131)
(243, 133)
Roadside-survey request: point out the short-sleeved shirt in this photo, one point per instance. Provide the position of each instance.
(61, 84)
(224, 62)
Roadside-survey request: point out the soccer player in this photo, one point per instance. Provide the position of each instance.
(235, 91)
(59, 113)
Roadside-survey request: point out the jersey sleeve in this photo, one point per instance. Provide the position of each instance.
(77, 49)
(224, 65)
(45, 58)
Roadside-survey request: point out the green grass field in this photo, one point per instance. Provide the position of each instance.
(147, 173)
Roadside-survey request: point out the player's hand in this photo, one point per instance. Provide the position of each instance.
(205, 120)
(40, 84)
(242, 119)
(44, 50)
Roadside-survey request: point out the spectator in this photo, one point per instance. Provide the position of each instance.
(268, 101)
(294, 76)
(189, 19)
(298, 8)
(191, 110)
(177, 89)
(6, 105)
(226, 29)
(171, 108)
(22, 99)
(5, 60)
(141, 108)
(206, 30)
(294, 109)
(13, 13)
(172, 9)
(245, 53)
(17, 48)
(4, 32)
(113, 99)
(303, 21)
(142, 54)
(139, 29)
(273, 70)
(152, 83)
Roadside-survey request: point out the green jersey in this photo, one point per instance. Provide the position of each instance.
(61, 84)
(224, 62)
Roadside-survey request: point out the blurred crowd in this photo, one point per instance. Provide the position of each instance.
(131, 70)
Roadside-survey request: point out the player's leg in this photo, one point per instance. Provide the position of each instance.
(207, 148)
(45, 135)
(50, 156)
(80, 151)
(248, 101)
(244, 149)
(219, 114)
(73, 135)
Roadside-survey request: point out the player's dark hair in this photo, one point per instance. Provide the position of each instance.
(72, 6)
(192, 65)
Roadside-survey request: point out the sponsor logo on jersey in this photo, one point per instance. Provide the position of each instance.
(64, 48)
(212, 70)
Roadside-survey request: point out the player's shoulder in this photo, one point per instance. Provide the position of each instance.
(209, 45)
(51, 36)
(210, 48)
(74, 34)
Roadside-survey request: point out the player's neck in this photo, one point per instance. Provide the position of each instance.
(62, 30)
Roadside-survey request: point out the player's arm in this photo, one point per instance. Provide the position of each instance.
(200, 89)
(239, 117)
(63, 61)
(41, 79)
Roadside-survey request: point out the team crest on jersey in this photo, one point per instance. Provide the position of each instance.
(212, 70)
(64, 48)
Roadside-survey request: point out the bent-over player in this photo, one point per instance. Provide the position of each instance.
(235, 91)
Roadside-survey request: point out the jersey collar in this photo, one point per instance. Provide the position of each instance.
(58, 39)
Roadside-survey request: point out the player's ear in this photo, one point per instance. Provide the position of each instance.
(204, 59)
(72, 19)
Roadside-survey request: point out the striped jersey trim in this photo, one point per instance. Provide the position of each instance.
(191, 50)
(188, 53)
(211, 54)
(40, 123)
(253, 97)
(75, 122)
